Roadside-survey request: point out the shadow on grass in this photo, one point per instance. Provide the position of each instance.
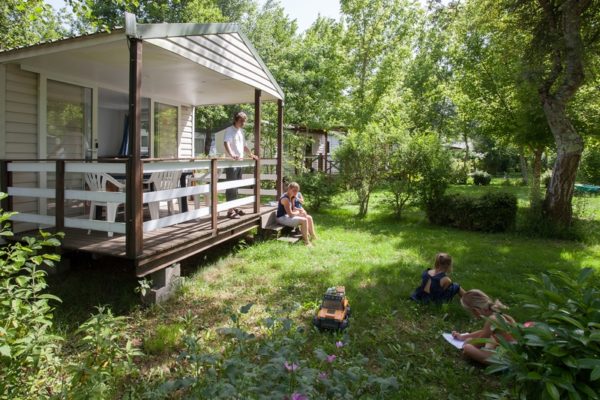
(91, 282)
(498, 264)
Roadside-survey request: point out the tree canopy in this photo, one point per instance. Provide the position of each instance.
(511, 77)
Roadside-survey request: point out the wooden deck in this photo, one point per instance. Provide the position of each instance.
(165, 246)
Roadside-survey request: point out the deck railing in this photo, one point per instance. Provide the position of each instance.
(55, 199)
(321, 163)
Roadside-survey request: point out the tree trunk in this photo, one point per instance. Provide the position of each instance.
(569, 147)
(466, 159)
(537, 173)
(523, 165)
(567, 54)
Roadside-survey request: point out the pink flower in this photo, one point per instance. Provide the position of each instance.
(529, 324)
(290, 367)
(339, 344)
(331, 358)
(298, 396)
(323, 375)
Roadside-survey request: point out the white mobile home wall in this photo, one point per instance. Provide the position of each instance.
(22, 96)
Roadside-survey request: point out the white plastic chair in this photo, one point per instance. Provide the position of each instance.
(96, 182)
(201, 177)
(164, 180)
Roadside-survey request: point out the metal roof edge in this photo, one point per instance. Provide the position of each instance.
(262, 64)
(166, 30)
(57, 45)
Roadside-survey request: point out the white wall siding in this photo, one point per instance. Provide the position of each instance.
(21, 132)
(21, 113)
(186, 132)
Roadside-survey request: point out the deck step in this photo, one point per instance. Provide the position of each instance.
(288, 239)
(274, 228)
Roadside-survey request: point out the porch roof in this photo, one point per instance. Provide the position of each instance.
(197, 64)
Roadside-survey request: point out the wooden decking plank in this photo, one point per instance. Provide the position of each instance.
(160, 244)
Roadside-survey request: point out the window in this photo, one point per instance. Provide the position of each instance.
(69, 124)
(165, 131)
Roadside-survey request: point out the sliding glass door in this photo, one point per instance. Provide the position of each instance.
(165, 130)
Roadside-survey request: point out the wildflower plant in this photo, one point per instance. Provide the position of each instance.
(273, 365)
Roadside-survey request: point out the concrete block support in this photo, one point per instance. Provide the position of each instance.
(164, 284)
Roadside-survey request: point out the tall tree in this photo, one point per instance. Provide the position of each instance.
(377, 43)
(491, 89)
(108, 14)
(314, 81)
(25, 22)
(564, 36)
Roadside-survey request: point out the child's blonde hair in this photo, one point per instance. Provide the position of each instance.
(293, 185)
(443, 262)
(475, 299)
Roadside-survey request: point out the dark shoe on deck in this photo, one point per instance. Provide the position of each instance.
(232, 214)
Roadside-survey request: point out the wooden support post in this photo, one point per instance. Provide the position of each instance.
(321, 168)
(5, 183)
(214, 195)
(134, 239)
(257, 123)
(326, 151)
(279, 166)
(59, 197)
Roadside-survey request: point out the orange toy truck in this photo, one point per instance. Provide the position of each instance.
(334, 312)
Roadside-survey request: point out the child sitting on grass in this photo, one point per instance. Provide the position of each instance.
(436, 286)
(480, 305)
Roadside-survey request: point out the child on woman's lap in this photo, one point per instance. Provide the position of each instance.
(436, 285)
(480, 305)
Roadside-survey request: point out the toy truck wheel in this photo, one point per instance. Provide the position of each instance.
(316, 322)
(344, 324)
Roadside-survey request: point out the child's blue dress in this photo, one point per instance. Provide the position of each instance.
(436, 294)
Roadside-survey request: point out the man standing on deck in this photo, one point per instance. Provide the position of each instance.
(235, 148)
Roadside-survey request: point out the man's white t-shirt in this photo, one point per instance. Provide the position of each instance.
(235, 137)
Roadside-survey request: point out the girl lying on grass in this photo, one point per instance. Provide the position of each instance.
(480, 305)
(436, 285)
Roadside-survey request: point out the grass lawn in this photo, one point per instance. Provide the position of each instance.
(379, 260)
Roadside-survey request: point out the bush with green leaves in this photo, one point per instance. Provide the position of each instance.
(318, 188)
(481, 178)
(274, 365)
(362, 157)
(417, 171)
(589, 169)
(557, 354)
(105, 356)
(492, 212)
(413, 173)
(546, 178)
(28, 348)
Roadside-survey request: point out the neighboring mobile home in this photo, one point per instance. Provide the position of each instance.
(119, 106)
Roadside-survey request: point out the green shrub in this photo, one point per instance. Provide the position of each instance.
(546, 178)
(589, 169)
(559, 356)
(481, 178)
(362, 157)
(275, 365)
(105, 355)
(417, 171)
(318, 188)
(27, 346)
(492, 212)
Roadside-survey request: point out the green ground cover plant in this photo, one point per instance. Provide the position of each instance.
(392, 349)
(556, 353)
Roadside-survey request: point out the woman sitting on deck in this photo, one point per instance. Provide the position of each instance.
(289, 215)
